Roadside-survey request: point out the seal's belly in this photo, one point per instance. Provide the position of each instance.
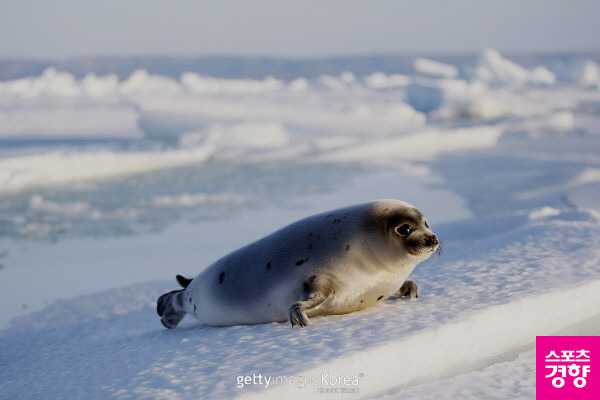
(357, 299)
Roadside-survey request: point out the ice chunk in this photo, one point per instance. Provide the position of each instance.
(435, 69)
(492, 67)
(583, 72)
(141, 81)
(380, 80)
(54, 168)
(544, 212)
(61, 120)
(248, 134)
(198, 84)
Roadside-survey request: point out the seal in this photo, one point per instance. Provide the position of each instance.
(336, 262)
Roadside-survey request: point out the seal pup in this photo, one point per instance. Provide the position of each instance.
(336, 262)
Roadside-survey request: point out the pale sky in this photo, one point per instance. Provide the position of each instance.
(60, 29)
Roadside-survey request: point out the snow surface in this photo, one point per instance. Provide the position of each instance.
(109, 188)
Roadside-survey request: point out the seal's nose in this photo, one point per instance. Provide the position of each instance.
(431, 240)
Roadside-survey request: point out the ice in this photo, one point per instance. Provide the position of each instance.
(456, 98)
(99, 86)
(109, 188)
(255, 135)
(298, 85)
(57, 168)
(421, 145)
(141, 82)
(379, 80)
(198, 84)
(435, 69)
(544, 212)
(337, 83)
(62, 121)
(559, 122)
(579, 71)
(454, 345)
(492, 67)
(51, 83)
(37, 203)
(193, 199)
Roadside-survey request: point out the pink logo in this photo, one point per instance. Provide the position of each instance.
(564, 367)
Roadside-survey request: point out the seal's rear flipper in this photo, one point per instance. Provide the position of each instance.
(184, 282)
(170, 307)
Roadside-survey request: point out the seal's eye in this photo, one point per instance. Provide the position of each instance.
(426, 225)
(404, 230)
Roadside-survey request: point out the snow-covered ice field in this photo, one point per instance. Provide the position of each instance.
(109, 188)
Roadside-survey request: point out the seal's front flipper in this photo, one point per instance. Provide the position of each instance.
(298, 309)
(317, 290)
(170, 307)
(409, 289)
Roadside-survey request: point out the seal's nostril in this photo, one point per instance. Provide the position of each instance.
(431, 240)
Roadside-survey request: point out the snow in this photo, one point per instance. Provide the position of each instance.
(492, 67)
(435, 69)
(110, 188)
(69, 121)
(420, 145)
(25, 172)
(580, 71)
(544, 212)
(379, 80)
(259, 135)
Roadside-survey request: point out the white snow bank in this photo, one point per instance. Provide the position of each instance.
(505, 380)
(38, 203)
(557, 122)
(480, 340)
(435, 69)
(50, 83)
(298, 85)
(337, 83)
(141, 82)
(99, 86)
(586, 197)
(492, 67)
(59, 121)
(582, 72)
(55, 168)
(248, 134)
(193, 199)
(421, 145)
(57, 84)
(544, 212)
(380, 80)
(588, 177)
(200, 84)
(456, 96)
(584, 191)
(313, 112)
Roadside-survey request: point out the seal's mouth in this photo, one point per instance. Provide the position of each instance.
(428, 245)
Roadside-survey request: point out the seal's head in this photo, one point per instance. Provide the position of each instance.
(405, 228)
